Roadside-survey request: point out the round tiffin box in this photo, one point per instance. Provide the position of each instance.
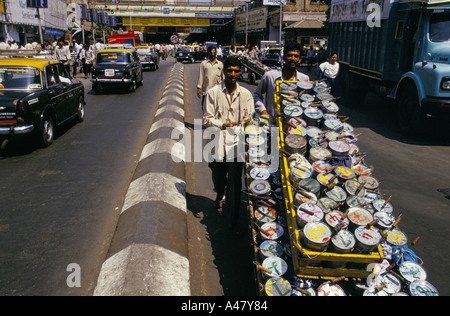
(313, 116)
(310, 184)
(391, 283)
(275, 264)
(260, 173)
(396, 237)
(265, 215)
(278, 287)
(330, 289)
(336, 194)
(422, 288)
(269, 248)
(380, 205)
(316, 236)
(334, 218)
(326, 204)
(412, 271)
(308, 213)
(319, 153)
(359, 216)
(385, 220)
(321, 167)
(272, 231)
(339, 148)
(343, 242)
(295, 144)
(367, 239)
(260, 187)
(344, 173)
(370, 182)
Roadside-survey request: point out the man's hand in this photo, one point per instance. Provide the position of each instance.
(199, 92)
(225, 125)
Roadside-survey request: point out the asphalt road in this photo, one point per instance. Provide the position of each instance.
(60, 205)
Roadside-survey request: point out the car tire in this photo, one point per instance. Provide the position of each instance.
(81, 111)
(47, 131)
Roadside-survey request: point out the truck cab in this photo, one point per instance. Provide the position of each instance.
(424, 89)
(405, 55)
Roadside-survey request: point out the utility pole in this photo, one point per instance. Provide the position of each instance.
(38, 15)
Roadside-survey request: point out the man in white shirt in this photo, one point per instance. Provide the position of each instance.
(329, 71)
(62, 53)
(211, 74)
(228, 107)
(265, 92)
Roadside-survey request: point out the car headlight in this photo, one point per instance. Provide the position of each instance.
(445, 83)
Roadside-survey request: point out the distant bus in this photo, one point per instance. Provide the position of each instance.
(132, 38)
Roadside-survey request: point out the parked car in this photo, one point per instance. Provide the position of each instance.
(273, 57)
(36, 96)
(148, 56)
(117, 68)
(190, 54)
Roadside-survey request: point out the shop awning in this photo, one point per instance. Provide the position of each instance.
(306, 24)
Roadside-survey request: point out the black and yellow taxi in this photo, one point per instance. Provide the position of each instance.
(36, 96)
(148, 56)
(117, 68)
(190, 53)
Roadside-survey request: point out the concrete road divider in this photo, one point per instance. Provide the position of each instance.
(148, 255)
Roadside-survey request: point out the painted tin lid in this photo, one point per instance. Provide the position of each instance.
(391, 282)
(316, 216)
(300, 130)
(330, 289)
(324, 179)
(321, 167)
(352, 186)
(313, 113)
(344, 240)
(253, 130)
(412, 271)
(295, 141)
(367, 236)
(337, 194)
(299, 174)
(305, 198)
(334, 218)
(359, 216)
(265, 214)
(260, 173)
(272, 231)
(422, 288)
(361, 169)
(380, 206)
(326, 204)
(333, 124)
(288, 86)
(396, 237)
(293, 110)
(330, 106)
(260, 187)
(310, 184)
(369, 182)
(307, 97)
(320, 153)
(305, 85)
(271, 248)
(385, 220)
(354, 201)
(275, 264)
(278, 287)
(309, 290)
(313, 131)
(256, 140)
(339, 146)
(317, 232)
(298, 122)
(344, 172)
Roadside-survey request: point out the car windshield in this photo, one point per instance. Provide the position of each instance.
(274, 52)
(114, 57)
(145, 51)
(187, 49)
(440, 27)
(20, 78)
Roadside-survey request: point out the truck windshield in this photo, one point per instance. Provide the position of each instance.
(440, 27)
(19, 78)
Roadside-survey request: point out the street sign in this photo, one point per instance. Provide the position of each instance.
(37, 4)
(174, 39)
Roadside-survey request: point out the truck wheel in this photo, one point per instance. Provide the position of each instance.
(411, 117)
(133, 87)
(81, 111)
